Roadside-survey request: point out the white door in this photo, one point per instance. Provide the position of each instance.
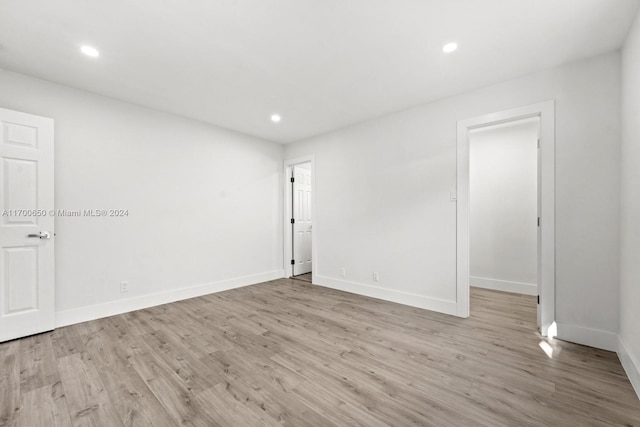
(302, 220)
(26, 225)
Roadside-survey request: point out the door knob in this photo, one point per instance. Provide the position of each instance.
(40, 235)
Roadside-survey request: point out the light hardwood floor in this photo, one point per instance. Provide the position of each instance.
(288, 353)
(305, 277)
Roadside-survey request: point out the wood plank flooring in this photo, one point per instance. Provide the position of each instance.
(285, 353)
(305, 277)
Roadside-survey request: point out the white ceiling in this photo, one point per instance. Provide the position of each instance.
(321, 64)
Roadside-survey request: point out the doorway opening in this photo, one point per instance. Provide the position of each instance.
(503, 214)
(506, 207)
(299, 207)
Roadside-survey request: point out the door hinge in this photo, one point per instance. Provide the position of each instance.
(538, 221)
(293, 262)
(538, 299)
(293, 221)
(538, 143)
(293, 179)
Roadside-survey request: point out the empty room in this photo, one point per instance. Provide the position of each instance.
(319, 213)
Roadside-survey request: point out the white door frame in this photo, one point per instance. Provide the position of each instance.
(288, 247)
(546, 192)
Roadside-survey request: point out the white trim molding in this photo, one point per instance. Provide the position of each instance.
(112, 308)
(630, 364)
(586, 336)
(386, 294)
(504, 285)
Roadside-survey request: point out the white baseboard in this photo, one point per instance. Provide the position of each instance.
(111, 308)
(406, 298)
(504, 285)
(630, 364)
(586, 336)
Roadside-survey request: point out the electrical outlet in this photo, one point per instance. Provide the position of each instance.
(124, 287)
(376, 276)
(343, 272)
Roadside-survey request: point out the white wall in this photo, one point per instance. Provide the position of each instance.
(204, 203)
(503, 187)
(630, 208)
(383, 196)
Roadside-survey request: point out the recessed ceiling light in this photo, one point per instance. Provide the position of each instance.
(449, 47)
(275, 118)
(90, 51)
